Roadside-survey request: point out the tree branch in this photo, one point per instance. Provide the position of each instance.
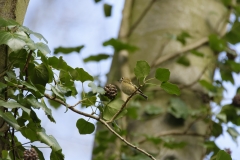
(125, 141)
(124, 105)
(141, 17)
(187, 48)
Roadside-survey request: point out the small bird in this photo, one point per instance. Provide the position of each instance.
(128, 87)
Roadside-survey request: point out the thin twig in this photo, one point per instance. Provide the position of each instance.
(102, 121)
(187, 48)
(141, 17)
(125, 141)
(28, 60)
(196, 80)
(123, 106)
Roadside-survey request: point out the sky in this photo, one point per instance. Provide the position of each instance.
(74, 23)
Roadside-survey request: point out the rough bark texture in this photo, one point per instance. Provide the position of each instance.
(14, 9)
(149, 24)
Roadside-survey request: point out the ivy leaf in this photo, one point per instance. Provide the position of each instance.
(216, 43)
(83, 75)
(38, 35)
(233, 36)
(89, 101)
(178, 108)
(142, 69)
(7, 22)
(183, 60)
(57, 93)
(58, 63)
(197, 53)
(42, 47)
(10, 119)
(85, 127)
(233, 133)
(182, 37)
(222, 155)
(107, 10)
(2, 86)
(39, 74)
(207, 85)
(162, 74)
(68, 50)
(112, 108)
(40, 154)
(216, 129)
(50, 141)
(96, 89)
(170, 88)
(118, 45)
(12, 104)
(96, 58)
(13, 40)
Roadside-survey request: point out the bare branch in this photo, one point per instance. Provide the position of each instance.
(187, 48)
(125, 141)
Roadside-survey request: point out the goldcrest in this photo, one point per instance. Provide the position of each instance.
(129, 88)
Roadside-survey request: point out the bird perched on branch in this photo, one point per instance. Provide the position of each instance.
(129, 88)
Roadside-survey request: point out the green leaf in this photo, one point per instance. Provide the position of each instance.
(208, 85)
(48, 139)
(67, 50)
(227, 3)
(96, 89)
(7, 22)
(216, 43)
(233, 36)
(85, 127)
(222, 155)
(142, 69)
(178, 108)
(170, 88)
(12, 104)
(2, 86)
(83, 75)
(58, 63)
(39, 74)
(38, 35)
(90, 101)
(183, 60)
(197, 53)
(226, 75)
(96, 58)
(96, 1)
(57, 93)
(40, 154)
(216, 129)
(233, 133)
(13, 40)
(57, 155)
(42, 47)
(10, 119)
(107, 10)
(112, 108)
(118, 45)
(182, 37)
(162, 74)
(153, 110)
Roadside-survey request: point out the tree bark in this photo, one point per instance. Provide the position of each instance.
(152, 26)
(10, 9)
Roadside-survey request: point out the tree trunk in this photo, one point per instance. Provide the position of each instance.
(152, 26)
(13, 9)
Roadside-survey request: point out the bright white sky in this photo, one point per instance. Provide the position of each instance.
(73, 23)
